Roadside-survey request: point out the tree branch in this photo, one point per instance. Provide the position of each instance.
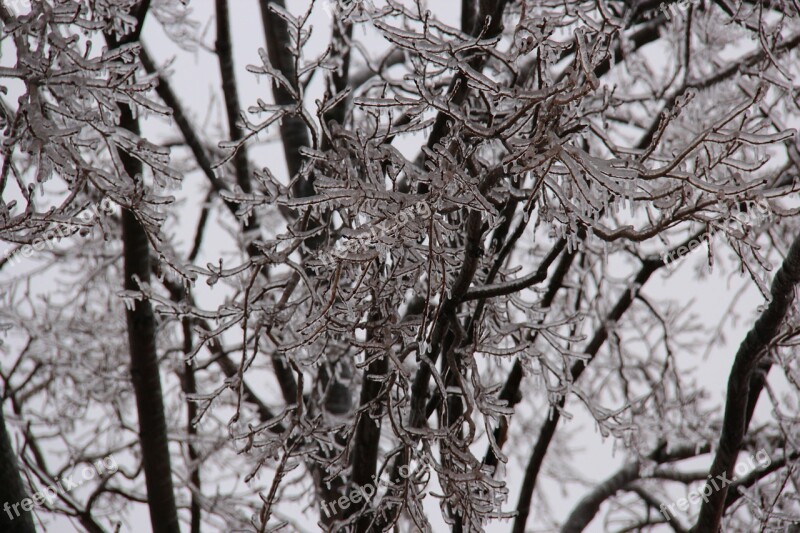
(12, 490)
(142, 337)
(294, 132)
(738, 399)
(230, 93)
(650, 265)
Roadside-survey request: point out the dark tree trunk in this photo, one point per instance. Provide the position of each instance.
(144, 365)
(142, 336)
(13, 519)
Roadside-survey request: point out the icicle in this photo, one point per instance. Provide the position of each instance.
(423, 347)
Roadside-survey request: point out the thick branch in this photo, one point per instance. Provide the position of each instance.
(12, 491)
(339, 78)
(294, 132)
(751, 350)
(587, 508)
(190, 387)
(368, 429)
(144, 363)
(231, 94)
(488, 21)
(142, 338)
(510, 287)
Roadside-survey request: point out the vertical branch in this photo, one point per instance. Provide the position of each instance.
(190, 387)
(230, 93)
(441, 338)
(12, 491)
(368, 429)
(488, 21)
(294, 133)
(467, 15)
(142, 336)
(282, 371)
(144, 363)
(342, 32)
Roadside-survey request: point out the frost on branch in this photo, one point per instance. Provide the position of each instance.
(468, 269)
